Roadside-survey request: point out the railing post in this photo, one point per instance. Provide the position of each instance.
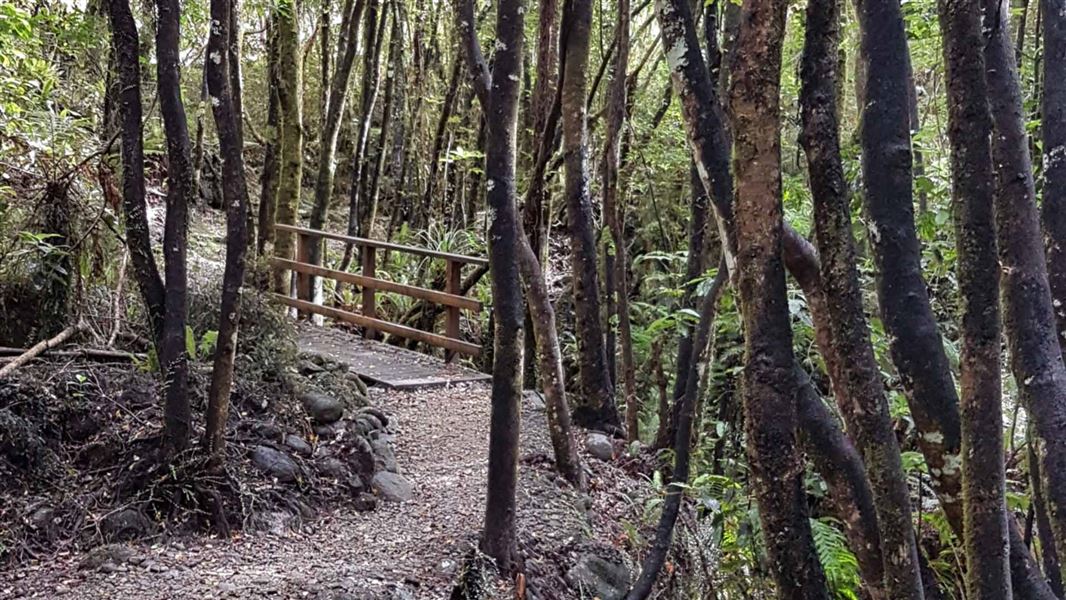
(452, 285)
(369, 254)
(302, 281)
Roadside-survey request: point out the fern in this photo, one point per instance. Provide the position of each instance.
(840, 565)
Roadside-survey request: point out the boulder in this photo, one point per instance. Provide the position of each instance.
(595, 576)
(378, 414)
(298, 445)
(126, 524)
(275, 463)
(332, 467)
(392, 487)
(600, 446)
(321, 408)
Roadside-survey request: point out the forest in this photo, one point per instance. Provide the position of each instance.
(567, 299)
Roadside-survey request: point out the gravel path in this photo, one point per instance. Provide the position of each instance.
(398, 551)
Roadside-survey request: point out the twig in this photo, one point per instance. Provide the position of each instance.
(28, 355)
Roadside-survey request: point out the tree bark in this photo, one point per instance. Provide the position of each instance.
(867, 414)
(614, 215)
(596, 407)
(225, 108)
(268, 197)
(348, 44)
(138, 239)
(1053, 133)
(769, 380)
(291, 138)
(392, 67)
(498, 537)
(1029, 319)
(985, 533)
(177, 415)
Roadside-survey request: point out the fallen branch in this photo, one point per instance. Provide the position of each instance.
(44, 346)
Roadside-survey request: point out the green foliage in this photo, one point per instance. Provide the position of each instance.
(840, 565)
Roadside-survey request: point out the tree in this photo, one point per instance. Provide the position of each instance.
(867, 417)
(285, 19)
(166, 312)
(1053, 134)
(226, 111)
(1028, 314)
(614, 213)
(596, 407)
(180, 191)
(769, 393)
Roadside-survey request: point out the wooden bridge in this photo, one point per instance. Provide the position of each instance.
(381, 363)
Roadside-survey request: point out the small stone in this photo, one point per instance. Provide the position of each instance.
(365, 502)
(298, 445)
(600, 446)
(392, 487)
(321, 408)
(275, 463)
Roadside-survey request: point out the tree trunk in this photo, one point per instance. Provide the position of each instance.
(1029, 318)
(1053, 133)
(596, 407)
(138, 239)
(769, 380)
(268, 197)
(614, 215)
(425, 211)
(985, 534)
(501, 97)
(867, 417)
(177, 415)
(235, 194)
(656, 556)
(291, 138)
(391, 70)
(348, 43)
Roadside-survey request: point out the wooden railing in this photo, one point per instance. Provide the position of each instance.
(452, 298)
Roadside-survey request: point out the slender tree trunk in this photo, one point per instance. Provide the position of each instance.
(867, 419)
(545, 89)
(596, 407)
(1049, 555)
(1053, 134)
(985, 536)
(769, 380)
(268, 198)
(291, 146)
(387, 109)
(1029, 318)
(426, 209)
(348, 44)
(656, 556)
(235, 194)
(501, 98)
(177, 414)
(325, 49)
(356, 194)
(138, 239)
(613, 214)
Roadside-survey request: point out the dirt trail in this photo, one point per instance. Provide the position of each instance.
(408, 550)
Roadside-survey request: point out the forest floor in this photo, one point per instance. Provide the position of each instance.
(407, 550)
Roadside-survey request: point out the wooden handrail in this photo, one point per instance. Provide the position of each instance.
(377, 324)
(438, 297)
(364, 242)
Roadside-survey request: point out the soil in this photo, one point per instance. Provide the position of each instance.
(408, 550)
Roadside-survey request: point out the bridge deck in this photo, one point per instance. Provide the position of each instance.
(381, 363)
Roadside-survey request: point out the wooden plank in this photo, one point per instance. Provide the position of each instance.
(435, 296)
(425, 337)
(470, 260)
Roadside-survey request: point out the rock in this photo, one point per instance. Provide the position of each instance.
(267, 431)
(322, 409)
(330, 431)
(598, 577)
(42, 520)
(126, 524)
(600, 446)
(365, 502)
(360, 385)
(110, 554)
(275, 463)
(384, 456)
(378, 414)
(392, 487)
(298, 445)
(332, 467)
(534, 400)
(308, 367)
(361, 457)
(367, 424)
